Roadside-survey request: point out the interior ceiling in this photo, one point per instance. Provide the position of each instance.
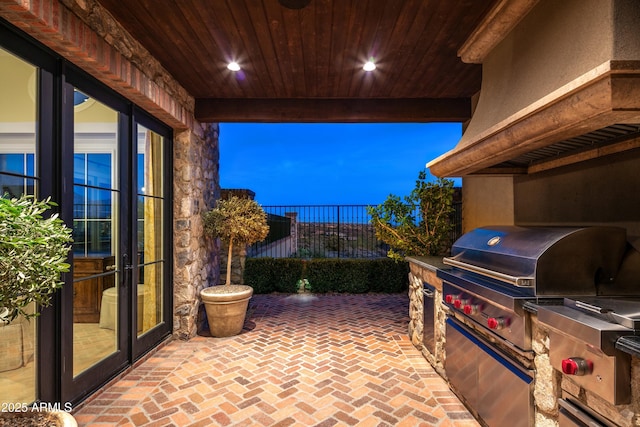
(305, 65)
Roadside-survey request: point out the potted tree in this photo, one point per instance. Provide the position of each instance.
(33, 255)
(236, 221)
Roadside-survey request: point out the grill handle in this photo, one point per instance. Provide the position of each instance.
(522, 282)
(592, 308)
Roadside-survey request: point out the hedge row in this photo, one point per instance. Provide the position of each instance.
(268, 275)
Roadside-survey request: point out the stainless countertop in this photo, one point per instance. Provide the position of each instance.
(429, 262)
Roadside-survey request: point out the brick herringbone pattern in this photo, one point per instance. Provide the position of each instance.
(338, 360)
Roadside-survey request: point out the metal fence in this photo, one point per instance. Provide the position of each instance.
(326, 231)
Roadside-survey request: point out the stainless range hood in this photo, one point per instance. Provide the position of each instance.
(561, 85)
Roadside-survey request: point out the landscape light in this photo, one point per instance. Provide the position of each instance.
(233, 66)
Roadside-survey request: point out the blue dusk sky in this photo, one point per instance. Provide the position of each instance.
(312, 164)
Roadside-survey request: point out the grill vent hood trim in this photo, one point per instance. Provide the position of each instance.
(566, 70)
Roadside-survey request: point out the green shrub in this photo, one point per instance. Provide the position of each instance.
(258, 273)
(287, 272)
(418, 224)
(266, 275)
(356, 277)
(387, 275)
(337, 275)
(321, 275)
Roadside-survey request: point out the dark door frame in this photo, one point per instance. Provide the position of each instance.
(143, 344)
(76, 388)
(54, 153)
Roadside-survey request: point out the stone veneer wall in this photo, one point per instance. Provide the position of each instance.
(84, 33)
(196, 257)
(546, 387)
(416, 305)
(418, 275)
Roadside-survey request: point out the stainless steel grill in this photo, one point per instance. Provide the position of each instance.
(495, 270)
(550, 261)
(497, 277)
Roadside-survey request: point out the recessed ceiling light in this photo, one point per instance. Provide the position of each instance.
(369, 66)
(233, 66)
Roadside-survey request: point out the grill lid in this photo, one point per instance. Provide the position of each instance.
(552, 260)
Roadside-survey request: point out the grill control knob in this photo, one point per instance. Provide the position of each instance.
(495, 322)
(457, 303)
(448, 298)
(471, 309)
(577, 366)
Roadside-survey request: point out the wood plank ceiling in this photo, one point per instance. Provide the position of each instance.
(306, 65)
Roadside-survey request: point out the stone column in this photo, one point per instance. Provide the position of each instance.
(547, 380)
(196, 257)
(416, 310)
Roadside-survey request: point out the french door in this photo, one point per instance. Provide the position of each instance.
(117, 307)
(107, 165)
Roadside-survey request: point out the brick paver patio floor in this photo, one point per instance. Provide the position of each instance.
(302, 360)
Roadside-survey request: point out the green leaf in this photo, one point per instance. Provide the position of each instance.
(396, 224)
(33, 254)
(239, 219)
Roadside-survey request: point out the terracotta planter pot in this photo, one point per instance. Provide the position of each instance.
(226, 308)
(38, 419)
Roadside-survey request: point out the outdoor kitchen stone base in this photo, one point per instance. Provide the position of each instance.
(423, 270)
(416, 311)
(546, 387)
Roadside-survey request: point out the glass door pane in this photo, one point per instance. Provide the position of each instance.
(17, 177)
(149, 230)
(95, 232)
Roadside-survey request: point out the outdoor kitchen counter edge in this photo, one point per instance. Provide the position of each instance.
(432, 263)
(425, 268)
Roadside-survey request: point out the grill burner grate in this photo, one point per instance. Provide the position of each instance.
(598, 138)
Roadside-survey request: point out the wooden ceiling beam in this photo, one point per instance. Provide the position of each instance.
(332, 110)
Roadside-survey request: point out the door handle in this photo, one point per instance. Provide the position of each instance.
(125, 262)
